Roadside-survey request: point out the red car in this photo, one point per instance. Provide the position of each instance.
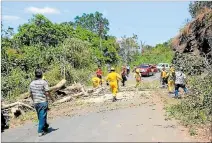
(154, 68)
(147, 70)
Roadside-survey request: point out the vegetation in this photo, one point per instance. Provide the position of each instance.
(61, 50)
(153, 55)
(196, 7)
(195, 109)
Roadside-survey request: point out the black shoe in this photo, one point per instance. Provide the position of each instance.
(46, 128)
(114, 99)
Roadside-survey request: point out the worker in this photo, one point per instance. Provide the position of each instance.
(163, 77)
(124, 75)
(39, 90)
(180, 80)
(99, 74)
(134, 68)
(113, 79)
(171, 78)
(137, 77)
(96, 81)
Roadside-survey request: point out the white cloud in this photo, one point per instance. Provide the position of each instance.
(45, 10)
(10, 18)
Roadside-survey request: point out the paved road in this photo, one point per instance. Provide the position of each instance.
(144, 124)
(134, 124)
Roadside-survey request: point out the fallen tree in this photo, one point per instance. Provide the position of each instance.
(51, 89)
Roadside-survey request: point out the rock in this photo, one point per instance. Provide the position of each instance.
(193, 45)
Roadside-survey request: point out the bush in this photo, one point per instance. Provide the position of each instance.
(196, 107)
(161, 53)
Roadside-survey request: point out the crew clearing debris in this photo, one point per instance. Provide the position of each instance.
(137, 76)
(113, 79)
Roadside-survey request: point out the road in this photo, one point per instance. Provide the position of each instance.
(143, 123)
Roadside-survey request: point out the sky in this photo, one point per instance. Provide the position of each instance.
(153, 22)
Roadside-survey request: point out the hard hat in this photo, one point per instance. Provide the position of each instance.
(112, 69)
(137, 70)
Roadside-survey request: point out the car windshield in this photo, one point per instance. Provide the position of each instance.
(144, 66)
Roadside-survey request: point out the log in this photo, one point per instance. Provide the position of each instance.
(78, 94)
(68, 98)
(73, 89)
(58, 86)
(51, 89)
(17, 104)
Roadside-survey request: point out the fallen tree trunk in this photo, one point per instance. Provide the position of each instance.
(51, 89)
(73, 89)
(68, 98)
(17, 104)
(65, 99)
(58, 86)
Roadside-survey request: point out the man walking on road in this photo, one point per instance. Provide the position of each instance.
(180, 82)
(39, 91)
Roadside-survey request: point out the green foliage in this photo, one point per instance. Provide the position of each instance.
(128, 48)
(59, 49)
(161, 53)
(93, 22)
(40, 30)
(196, 6)
(196, 107)
(14, 84)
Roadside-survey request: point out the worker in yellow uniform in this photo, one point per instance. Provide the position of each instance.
(96, 82)
(113, 79)
(137, 76)
(163, 77)
(171, 79)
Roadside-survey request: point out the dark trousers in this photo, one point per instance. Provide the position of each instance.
(128, 71)
(177, 86)
(41, 109)
(164, 81)
(3, 122)
(124, 78)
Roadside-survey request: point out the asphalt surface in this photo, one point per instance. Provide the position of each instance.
(143, 124)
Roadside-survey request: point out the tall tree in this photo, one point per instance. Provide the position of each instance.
(94, 22)
(40, 30)
(128, 48)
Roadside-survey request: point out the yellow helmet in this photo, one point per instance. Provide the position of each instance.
(137, 70)
(112, 69)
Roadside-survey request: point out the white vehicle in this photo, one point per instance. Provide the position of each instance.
(159, 66)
